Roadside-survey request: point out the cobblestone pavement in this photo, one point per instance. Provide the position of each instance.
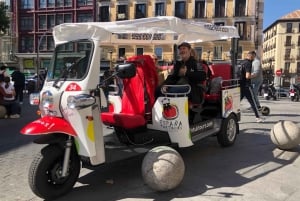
(252, 169)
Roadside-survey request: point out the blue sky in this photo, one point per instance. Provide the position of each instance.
(275, 9)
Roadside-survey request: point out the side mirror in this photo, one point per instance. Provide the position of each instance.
(126, 70)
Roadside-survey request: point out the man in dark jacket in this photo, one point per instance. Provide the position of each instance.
(246, 86)
(188, 71)
(19, 84)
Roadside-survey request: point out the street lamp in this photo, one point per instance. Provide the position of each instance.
(110, 63)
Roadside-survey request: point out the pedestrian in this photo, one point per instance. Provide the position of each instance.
(13, 109)
(19, 83)
(184, 73)
(246, 86)
(256, 78)
(3, 71)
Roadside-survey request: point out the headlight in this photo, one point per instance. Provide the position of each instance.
(47, 104)
(80, 101)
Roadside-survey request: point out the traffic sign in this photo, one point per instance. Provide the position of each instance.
(278, 72)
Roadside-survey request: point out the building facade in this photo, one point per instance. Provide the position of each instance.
(281, 50)
(33, 20)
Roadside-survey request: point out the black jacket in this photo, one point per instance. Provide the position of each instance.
(18, 78)
(194, 75)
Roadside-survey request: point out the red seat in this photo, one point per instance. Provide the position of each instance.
(138, 96)
(218, 70)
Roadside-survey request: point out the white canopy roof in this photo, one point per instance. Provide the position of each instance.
(154, 30)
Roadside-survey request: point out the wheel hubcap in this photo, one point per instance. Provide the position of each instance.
(231, 129)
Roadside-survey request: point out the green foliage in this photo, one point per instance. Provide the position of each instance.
(4, 20)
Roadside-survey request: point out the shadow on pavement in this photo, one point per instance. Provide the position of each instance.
(208, 167)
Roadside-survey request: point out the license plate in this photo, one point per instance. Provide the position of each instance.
(292, 94)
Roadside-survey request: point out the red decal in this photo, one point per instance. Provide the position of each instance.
(73, 87)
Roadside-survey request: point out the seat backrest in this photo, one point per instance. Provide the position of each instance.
(221, 70)
(150, 80)
(133, 94)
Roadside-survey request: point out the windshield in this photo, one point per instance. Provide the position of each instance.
(71, 60)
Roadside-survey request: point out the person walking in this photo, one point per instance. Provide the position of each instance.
(246, 86)
(256, 78)
(19, 83)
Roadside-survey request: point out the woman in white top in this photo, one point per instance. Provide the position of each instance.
(8, 88)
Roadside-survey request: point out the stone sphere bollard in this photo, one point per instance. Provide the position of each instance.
(163, 168)
(2, 112)
(285, 135)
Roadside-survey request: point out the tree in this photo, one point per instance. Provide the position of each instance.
(4, 20)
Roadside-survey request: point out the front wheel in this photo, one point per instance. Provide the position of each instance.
(229, 129)
(45, 178)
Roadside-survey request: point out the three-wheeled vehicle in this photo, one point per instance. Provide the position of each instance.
(75, 112)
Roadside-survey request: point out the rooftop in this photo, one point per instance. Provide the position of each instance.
(293, 15)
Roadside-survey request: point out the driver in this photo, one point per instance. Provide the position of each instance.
(184, 73)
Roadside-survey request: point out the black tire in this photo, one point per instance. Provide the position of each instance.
(292, 98)
(267, 97)
(44, 178)
(265, 110)
(229, 129)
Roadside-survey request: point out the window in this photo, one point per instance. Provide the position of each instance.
(59, 19)
(241, 27)
(180, 9)
(287, 66)
(298, 68)
(158, 51)
(26, 44)
(122, 12)
(139, 51)
(42, 22)
(240, 52)
(104, 14)
(200, 9)
(43, 3)
(68, 18)
(289, 27)
(122, 52)
(218, 52)
(140, 11)
(198, 52)
(26, 23)
(288, 41)
(287, 53)
(240, 8)
(51, 3)
(46, 43)
(68, 3)
(84, 2)
(160, 9)
(219, 8)
(27, 4)
(60, 3)
(50, 21)
(85, 17)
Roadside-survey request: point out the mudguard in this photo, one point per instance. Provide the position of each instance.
(48, 125)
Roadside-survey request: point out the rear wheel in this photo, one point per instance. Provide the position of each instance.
(45, 178)
(265, 110)
(229, 129)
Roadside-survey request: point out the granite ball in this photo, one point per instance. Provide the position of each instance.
(163, 168)
(285, 135)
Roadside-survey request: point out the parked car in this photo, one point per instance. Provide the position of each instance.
(282, 92)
